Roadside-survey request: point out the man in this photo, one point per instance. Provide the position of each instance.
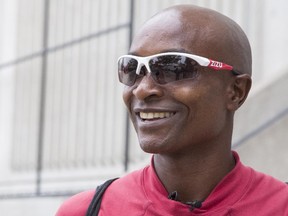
(188, 72)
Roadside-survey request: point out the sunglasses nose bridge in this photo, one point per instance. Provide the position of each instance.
(146, 63)
(143, 62)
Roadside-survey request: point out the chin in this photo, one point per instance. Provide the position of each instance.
(151, 147)
(155, 146)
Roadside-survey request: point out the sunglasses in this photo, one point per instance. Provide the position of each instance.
(165, 67)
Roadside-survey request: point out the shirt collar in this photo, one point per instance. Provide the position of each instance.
(226, 193)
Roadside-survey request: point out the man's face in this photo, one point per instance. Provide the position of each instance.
(176, 116)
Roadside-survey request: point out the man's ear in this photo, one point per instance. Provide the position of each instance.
(238, 91)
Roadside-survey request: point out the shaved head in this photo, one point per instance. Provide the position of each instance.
(198, 31)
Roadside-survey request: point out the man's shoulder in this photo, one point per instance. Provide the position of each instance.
(76, 205)
(265, 195)
(132, 181)
(265, 180)
(266, 188)
(260, 180)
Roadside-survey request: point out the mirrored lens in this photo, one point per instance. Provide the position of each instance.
(164, 69)
(171, 68)
(127, 70)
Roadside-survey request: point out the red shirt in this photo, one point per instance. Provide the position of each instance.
(242, 192)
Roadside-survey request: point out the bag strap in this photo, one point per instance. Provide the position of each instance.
(95, 204)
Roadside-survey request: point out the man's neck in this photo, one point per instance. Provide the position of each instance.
(193, 176)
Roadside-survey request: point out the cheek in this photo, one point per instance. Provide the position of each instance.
(190, 96)
(126, 95)
(211, 114)
(205, 107)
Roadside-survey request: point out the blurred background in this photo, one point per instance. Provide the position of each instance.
(63, 125)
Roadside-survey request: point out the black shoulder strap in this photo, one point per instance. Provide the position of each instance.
(94, 206)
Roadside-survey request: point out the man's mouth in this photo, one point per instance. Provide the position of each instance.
(155, 115)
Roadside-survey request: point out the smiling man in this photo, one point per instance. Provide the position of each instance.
(188, 71)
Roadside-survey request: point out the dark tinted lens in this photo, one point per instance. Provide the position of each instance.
(127, 70)
(172, 68)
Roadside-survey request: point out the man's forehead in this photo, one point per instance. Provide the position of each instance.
(180, 50)
(155, 37)
(176, 28)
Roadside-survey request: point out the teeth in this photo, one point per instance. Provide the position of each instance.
(155, 115)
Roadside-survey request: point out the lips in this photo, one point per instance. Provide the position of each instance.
(155, 115)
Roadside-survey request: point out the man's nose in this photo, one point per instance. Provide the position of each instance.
(147, 87)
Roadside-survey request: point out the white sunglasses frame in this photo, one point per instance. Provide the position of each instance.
(202, 61)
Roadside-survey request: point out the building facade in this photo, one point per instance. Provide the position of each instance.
(63, 125)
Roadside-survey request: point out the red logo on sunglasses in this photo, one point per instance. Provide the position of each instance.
(219, 65)
(216, 64)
